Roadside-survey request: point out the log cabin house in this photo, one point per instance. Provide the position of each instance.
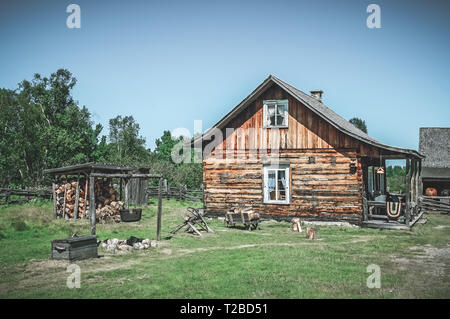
(286, 154)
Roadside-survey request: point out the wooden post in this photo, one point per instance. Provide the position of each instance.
(92, 204)
(85, 196)
(120, 195)
(127, 200)
(77, 198)
(64, 201)
(365, 207)
(54, 199)
(158, 225)
(408, 192)
(417, 178)
(420, 179)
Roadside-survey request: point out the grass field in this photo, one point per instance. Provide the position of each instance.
(272, 262)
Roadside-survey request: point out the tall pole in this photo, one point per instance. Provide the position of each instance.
(92, 204)
(77, 198)
(158, 229)
(55, 198)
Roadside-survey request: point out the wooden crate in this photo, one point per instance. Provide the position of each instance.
(232, 219)
(75, 248)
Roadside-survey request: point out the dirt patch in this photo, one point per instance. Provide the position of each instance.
(429, 260)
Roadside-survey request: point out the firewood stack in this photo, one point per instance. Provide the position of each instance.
(106, 198)
(65, 199)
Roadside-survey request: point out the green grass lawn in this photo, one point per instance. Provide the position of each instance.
(272, 262)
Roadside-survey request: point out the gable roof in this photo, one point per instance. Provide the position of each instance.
(318, 108)
(434, 143)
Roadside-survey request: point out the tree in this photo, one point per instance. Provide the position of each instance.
(44, 127)
(126, 145)
(359, 124)
(177, 174)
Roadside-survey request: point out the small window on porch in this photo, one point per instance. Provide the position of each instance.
(276, 184)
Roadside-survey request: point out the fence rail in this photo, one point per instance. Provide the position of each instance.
(13, 196)
(435, 203)
(178, 193)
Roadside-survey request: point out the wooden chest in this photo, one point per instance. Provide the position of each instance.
(75, 248)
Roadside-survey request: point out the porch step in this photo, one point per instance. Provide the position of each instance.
(384, 225)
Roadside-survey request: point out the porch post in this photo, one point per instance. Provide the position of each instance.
(408, 191)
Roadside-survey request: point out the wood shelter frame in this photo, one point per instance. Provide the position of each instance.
(99, 170)
(413, 188)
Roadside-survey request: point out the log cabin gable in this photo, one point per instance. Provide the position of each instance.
(303, 129)
(311, 125)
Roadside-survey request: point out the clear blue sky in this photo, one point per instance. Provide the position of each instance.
(169, 63)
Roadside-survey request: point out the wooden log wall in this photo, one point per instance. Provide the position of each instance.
(329, 187)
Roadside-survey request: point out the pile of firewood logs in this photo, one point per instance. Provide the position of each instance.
(106, 199)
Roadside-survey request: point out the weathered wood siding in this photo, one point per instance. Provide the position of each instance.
(330, 187)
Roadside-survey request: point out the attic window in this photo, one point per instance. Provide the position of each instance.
(275, 113)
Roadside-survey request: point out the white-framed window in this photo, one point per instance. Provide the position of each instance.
(275, 113)
(276, 184)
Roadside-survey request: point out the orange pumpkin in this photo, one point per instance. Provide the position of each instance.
(430, 191)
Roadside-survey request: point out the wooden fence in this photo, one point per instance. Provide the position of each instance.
(13, 196)
(178, 193)
(435, 204)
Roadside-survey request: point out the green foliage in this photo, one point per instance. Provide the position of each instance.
(177, 174)
(126, 146)
(359, 124)
(42, 127)
(395, 177)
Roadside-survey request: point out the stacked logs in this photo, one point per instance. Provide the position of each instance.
(106, 199)
(65, 199)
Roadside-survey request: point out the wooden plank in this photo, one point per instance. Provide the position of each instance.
(127, 190)
(158, 224)
(105, 175)
(92, 205)
(55, 198)
(64, 201)
(77, 198)
(85, 196)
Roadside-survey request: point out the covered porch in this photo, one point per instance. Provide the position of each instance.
(385, 209)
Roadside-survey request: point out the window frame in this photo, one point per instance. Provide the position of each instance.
(266, 120)
(277, 168)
